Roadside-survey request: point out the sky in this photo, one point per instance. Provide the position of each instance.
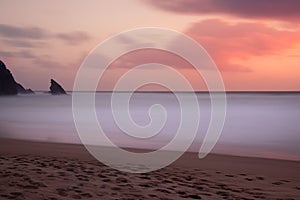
(254, 43)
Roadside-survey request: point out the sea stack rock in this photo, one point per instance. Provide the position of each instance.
(55, 88)
(7, 81)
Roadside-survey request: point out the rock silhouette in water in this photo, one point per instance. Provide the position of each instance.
(55, 88)
(7, 82)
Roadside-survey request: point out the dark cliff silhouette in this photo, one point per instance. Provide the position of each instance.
(55, 88)
(8, 85)
(7, 81)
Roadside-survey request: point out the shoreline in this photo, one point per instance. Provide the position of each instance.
(189, 151)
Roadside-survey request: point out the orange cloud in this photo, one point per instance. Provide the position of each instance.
(227, 42)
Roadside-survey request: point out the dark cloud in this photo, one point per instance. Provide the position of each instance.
(22, 32)
(74, 37)
(277, 9)
(20, 54)
(6, 54)
(26, 34)
(24, 43)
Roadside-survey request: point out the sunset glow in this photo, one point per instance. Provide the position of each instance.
(254, 49)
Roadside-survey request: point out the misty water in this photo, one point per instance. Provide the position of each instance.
(257, 124)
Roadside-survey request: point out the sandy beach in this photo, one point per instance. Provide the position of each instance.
(36, 170)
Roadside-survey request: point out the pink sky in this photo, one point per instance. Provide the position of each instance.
(255, 43)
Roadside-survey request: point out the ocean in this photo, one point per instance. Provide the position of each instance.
(257, 124)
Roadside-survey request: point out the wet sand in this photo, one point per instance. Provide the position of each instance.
(36, 170)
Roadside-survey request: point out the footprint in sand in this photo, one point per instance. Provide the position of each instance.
(62, 192)
(121, 180)
(260, 178)
(277, 183)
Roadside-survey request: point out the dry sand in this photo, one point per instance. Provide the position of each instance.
(33, 170)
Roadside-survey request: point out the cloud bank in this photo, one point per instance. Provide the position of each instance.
(36, 33)
(271, 9)
(228, 42)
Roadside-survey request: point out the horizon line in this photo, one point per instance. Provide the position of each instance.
(198, 91)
